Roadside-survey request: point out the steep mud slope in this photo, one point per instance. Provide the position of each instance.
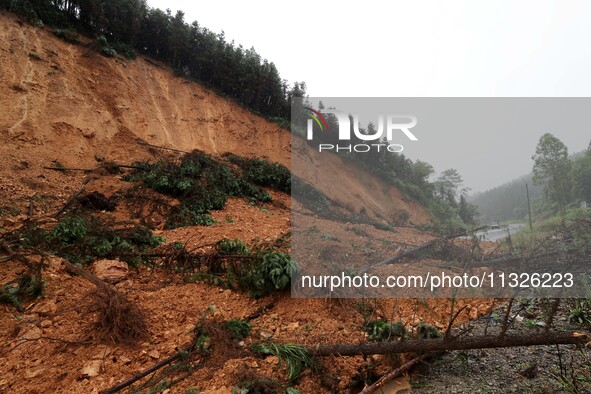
(66, 103)
(56, 95)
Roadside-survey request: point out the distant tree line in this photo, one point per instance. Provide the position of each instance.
(558, 182)
(507, 201)
(190, 49)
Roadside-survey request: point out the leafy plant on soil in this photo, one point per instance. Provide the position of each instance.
(232, 247)
(201, 183)
(263, 173)
(25, 287)
(580, 313)
(269, 274)
(296, 357)
(261, 270)
(238, 328)
(427, 331)
(82, 239)
(67, 35)
(383, 330)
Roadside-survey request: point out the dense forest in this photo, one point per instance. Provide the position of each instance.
(126, 26)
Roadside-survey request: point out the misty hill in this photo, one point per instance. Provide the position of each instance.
(509, 200)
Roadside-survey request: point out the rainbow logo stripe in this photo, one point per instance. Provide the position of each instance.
(318, 118)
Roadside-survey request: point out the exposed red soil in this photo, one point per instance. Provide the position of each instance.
(74, 107)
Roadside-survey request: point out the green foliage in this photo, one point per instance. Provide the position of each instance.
(232, 247)
(582, 176)
(270, 274)
(108, 52)
(427, 331)
(507, 201)
(263, 173)
(552, 168)
(83, 239)
(296, 356)
(67, 35)
(382, 330)
(70, 230)
(26, 287)
(201, 183)
(308, 195)
(580, 313)
(124, 49)
(183, 216)
(239, 328)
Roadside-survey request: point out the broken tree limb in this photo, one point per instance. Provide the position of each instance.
(87, 275)
(69, 202)
(435, 345)
(394, 374)
(423, 246)
(65, 169)
(144, 373)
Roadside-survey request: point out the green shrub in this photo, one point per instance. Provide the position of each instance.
(183, 216)
(201, 183)
(67, 35)
(70, 229)
(27, 286)
(427, 331)
(270, 274)
(308, 195)
(382, 330)
(264, 173)
(239, 328)
(580, 313)
(83, 239)
(108, 52)
(232, 247)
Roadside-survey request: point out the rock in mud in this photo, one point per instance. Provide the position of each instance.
(111, 271)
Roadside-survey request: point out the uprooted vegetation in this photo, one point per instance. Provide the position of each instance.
(260, 271)
(88, 230)
(203, 184)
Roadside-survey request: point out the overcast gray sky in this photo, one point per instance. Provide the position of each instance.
(417, 48)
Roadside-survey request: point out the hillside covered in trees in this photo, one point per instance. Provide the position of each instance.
(555, 171)
(191, 50)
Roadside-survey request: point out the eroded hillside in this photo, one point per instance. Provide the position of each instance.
(65, 105)
(64, 102)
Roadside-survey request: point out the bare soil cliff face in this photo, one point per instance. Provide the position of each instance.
(60, 96)
(67, 103)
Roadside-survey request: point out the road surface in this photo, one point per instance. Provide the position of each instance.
(501, 233)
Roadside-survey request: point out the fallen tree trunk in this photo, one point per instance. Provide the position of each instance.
(435, 345)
